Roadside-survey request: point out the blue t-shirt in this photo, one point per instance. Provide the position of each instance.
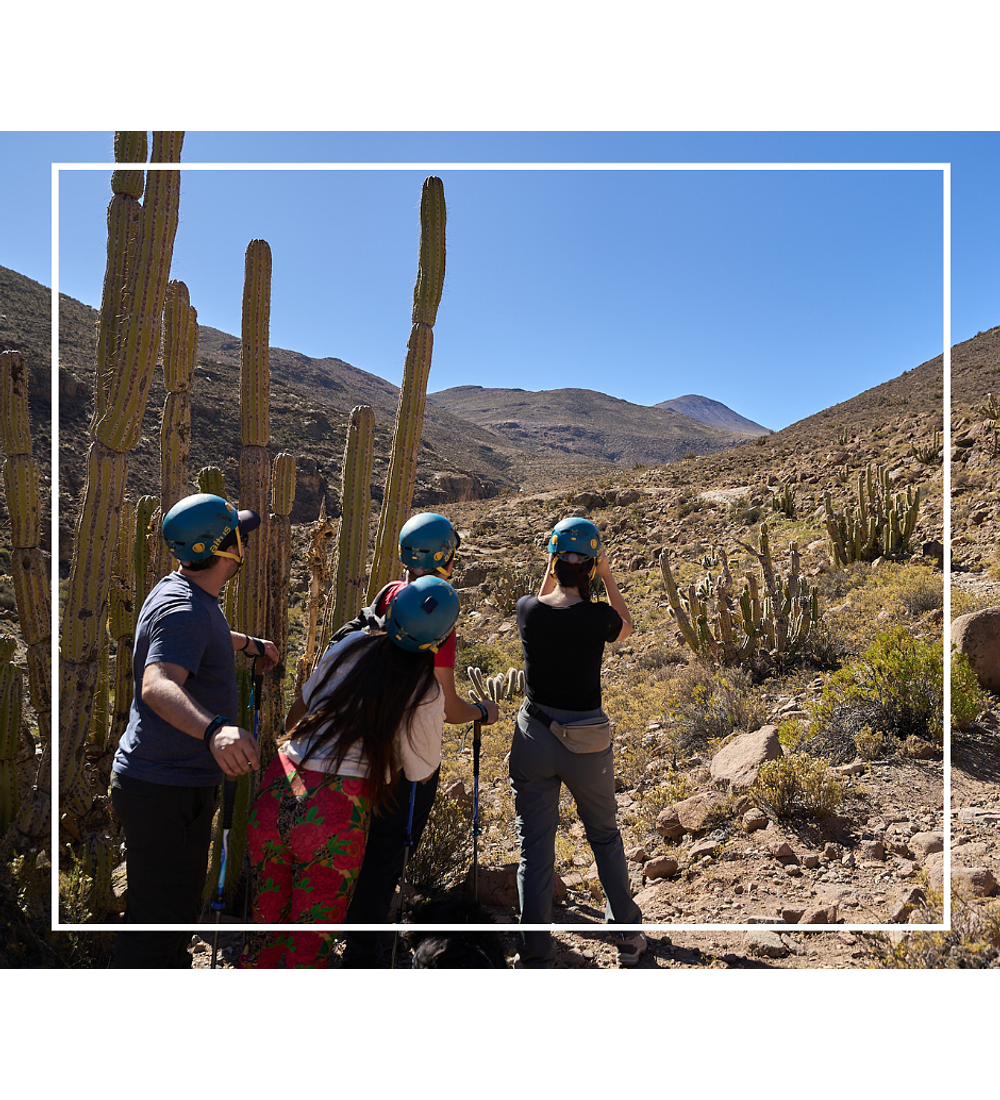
(179, 624)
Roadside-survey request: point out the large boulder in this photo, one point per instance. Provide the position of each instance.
(977, 635)
(737, 762)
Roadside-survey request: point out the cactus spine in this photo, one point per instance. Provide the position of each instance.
(131, 326)
(401, 475)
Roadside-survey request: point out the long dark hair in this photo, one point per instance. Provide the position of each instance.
(575, 575)
(376, 696)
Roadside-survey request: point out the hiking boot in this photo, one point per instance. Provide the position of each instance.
(630, 946)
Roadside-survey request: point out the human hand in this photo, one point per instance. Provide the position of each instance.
(271, 654)
(234, 750)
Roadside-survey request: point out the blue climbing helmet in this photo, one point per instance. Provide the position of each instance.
(197, 526)
(422, 614)
(427, 543)
(575, 539)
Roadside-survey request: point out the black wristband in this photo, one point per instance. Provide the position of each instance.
(245, 644)
(217, 723)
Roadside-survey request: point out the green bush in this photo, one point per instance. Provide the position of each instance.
(967, 698)
(897, 684)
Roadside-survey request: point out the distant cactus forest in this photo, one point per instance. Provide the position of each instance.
(786, 593)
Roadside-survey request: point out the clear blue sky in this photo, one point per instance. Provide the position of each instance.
(779, 293)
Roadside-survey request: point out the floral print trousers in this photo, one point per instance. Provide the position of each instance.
(306, 839)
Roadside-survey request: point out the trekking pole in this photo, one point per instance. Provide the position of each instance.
(402, 877)
(256, 683)
(219, 901)
(476, 742)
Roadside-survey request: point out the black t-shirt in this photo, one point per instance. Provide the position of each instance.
(563, 649)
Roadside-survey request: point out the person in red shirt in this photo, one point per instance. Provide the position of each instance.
(427, 546)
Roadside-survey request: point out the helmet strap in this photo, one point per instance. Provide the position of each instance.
(238, 557)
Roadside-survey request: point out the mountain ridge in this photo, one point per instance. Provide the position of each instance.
(586, 422)
(712, 412)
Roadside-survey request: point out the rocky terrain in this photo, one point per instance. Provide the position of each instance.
(701, 852)
(807, 892)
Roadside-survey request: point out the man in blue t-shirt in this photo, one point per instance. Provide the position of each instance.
(181, 740)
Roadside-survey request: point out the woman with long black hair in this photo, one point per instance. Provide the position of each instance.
(371, 710)
(563, 735)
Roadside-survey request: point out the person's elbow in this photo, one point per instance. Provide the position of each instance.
(625, 631)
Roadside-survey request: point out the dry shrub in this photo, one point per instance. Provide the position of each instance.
(972, 942)
(704, 707)
(796, 784)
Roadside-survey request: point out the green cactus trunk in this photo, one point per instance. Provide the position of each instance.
(121, 623)
(280, 570)
(247, 600)
(346, 599)
(759, 626)
(29, 573)
(882, 524)
(255, 467)
(401, 477)
(11, 695)
(135, 337)
(180, 351)
(318, 564)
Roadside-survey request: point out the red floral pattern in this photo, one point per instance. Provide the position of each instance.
(306, 837)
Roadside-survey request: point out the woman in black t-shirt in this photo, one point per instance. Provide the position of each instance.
(562, 735)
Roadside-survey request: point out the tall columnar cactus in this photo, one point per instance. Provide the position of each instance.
(255, 468)
(30, 576)
(211, 480)
(346, 598)
(318, 564)
(180, 351)
(401, 476)
(121, 622)
(131, 325)
(144, 544)
(280, 569)
(247, 601)
(771, 618)
(881, 525)
(11, 691)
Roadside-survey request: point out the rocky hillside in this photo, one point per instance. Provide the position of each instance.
(698, 852)
(575, 422)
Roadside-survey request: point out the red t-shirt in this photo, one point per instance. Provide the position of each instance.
(447, 651)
